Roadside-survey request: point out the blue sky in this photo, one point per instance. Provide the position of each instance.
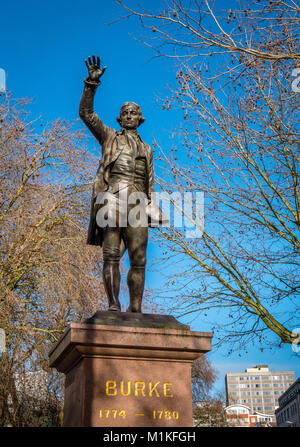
(43, 47)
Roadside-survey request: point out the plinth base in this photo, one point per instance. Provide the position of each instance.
(126, 375)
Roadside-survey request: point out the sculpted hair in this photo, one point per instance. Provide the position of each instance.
(130, 103)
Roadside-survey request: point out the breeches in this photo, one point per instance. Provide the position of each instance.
(136, 240)
(135, 237)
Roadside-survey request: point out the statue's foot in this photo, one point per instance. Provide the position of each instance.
(135, 307)
(114, 308)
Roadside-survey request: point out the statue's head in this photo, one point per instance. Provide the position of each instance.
(130, 116)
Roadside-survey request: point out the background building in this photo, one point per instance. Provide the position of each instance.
(239, 415)
(30, 393)
(288, 413)
(258, 388)
(32, 384)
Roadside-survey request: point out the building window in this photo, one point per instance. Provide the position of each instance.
(276, 377)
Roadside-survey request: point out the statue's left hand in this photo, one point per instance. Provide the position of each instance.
(93, 66)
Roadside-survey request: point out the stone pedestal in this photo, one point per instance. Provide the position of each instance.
(128, 370)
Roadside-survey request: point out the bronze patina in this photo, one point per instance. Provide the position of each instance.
(126, 165)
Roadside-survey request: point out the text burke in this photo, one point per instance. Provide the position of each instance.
(138, 388)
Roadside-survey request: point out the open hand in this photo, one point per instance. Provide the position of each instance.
(93, 66)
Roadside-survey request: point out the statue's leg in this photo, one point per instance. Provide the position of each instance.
(111, 270)
(136, 240)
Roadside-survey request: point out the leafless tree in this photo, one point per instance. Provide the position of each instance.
(208, 406)
(48, 275)
(239, 144)
(203, 379)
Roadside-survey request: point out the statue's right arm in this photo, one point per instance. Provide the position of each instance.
(87, 114)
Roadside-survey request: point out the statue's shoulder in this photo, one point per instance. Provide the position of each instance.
(111, 134)
(147, 146)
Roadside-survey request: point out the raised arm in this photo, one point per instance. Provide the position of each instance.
(86, 107)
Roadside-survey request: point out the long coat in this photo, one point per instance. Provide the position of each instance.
(112, 143)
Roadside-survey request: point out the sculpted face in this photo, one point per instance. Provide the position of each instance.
(130, 116)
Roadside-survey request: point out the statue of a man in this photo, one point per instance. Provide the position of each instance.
(127, 162)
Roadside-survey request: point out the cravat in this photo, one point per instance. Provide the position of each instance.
(134, 142)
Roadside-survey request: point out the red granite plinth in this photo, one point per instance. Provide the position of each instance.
(127, 376)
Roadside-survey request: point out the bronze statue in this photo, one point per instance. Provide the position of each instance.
(127, 162)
